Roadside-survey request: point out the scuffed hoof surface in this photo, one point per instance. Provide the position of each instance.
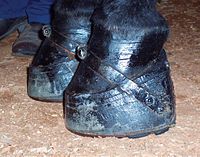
(47, 83)
(136, 107)
(115, 113)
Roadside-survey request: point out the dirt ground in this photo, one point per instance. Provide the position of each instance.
(33, 128)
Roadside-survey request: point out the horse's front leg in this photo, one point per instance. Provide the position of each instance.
(123, 86)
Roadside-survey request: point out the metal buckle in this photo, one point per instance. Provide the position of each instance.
(81, 52)
(46, 29)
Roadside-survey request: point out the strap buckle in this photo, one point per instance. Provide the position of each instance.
(46, 29)
(81, 52)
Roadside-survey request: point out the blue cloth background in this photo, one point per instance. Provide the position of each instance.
(36, 10)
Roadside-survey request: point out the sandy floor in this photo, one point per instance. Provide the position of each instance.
(32, 128)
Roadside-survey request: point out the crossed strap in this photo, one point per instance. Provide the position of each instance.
(141, 93)
(148, 98)
(47, 32)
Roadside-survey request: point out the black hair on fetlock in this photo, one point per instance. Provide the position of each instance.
(124, 15)
(74, 7)
(70, 12)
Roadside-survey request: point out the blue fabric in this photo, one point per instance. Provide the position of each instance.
(36, 10)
